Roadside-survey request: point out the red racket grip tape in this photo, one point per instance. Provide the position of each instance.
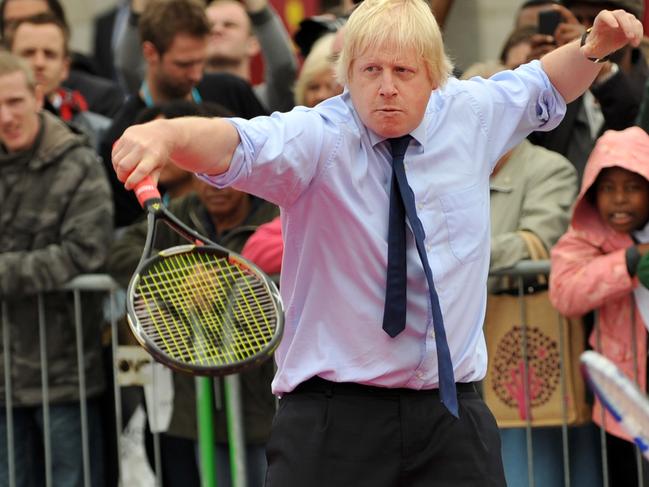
(146, 190)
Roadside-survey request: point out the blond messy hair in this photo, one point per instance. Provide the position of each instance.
(10, 64)
(319, 59)
(398, 25)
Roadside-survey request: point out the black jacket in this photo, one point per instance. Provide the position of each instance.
(227, 90)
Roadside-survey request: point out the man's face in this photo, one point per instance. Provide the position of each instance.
(222, 204)
(231, 36)
(43, 47)
(21, 9)
(19, 107)
(180, 68)
(390, 92)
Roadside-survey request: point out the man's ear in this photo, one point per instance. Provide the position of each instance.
(150, 53)
(254, 47)
(66, 69)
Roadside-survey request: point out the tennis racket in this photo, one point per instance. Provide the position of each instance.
(200, 308)
(620, 396)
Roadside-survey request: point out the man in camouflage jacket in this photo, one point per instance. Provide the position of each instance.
(55, 223)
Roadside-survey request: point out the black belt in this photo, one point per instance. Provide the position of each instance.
(318, 384)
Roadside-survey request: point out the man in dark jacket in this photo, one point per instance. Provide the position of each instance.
(55, 223)
(174, 38)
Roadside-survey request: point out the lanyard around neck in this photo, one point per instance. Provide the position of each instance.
(148, 99)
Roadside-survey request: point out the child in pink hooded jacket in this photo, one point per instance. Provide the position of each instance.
(594, 268)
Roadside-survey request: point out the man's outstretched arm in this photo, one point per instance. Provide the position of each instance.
(197, 144)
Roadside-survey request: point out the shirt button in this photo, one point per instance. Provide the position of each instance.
(429, 247)
(405, 166)
(419, 375)
(420, 206)
(432, 334)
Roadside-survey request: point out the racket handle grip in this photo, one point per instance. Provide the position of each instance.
(146, 191)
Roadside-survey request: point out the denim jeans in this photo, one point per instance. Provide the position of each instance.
(66, 446)
(584, 456)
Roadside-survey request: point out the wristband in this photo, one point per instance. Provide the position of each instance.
(261, 17)
(593, 59)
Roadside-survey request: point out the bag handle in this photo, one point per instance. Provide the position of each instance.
(534, 245)
(535, 248)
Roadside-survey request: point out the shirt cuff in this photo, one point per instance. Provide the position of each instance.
(263, 16)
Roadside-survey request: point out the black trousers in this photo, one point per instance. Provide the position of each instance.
(329, 434)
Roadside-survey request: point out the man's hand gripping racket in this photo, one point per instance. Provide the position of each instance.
(200, 308)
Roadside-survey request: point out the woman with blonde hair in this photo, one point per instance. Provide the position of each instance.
(317, 79)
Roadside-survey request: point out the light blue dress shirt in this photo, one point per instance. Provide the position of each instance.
(331, 177)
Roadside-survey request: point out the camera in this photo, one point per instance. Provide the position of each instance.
(548, 22)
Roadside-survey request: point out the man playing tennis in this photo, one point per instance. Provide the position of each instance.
(386, 243)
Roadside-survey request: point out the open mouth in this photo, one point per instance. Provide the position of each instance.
(621, 218)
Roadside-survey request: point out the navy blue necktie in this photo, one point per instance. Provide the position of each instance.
(402, 203)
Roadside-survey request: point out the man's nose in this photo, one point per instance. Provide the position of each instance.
(195, 73)
(388, 88)
(38, 59)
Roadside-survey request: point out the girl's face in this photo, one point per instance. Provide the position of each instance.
(623, 199)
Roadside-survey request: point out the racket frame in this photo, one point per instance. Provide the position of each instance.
(158, 213)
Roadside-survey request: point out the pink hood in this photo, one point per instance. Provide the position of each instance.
(628, 149)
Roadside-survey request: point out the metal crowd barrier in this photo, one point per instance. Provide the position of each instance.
(94, 283)
(104, 284)
(114, 310)
(519, 275)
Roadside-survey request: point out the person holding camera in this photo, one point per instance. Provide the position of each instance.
(613, 100)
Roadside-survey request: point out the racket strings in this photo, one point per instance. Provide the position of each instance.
(203, 310)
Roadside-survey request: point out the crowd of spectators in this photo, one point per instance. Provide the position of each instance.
(64, 213)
